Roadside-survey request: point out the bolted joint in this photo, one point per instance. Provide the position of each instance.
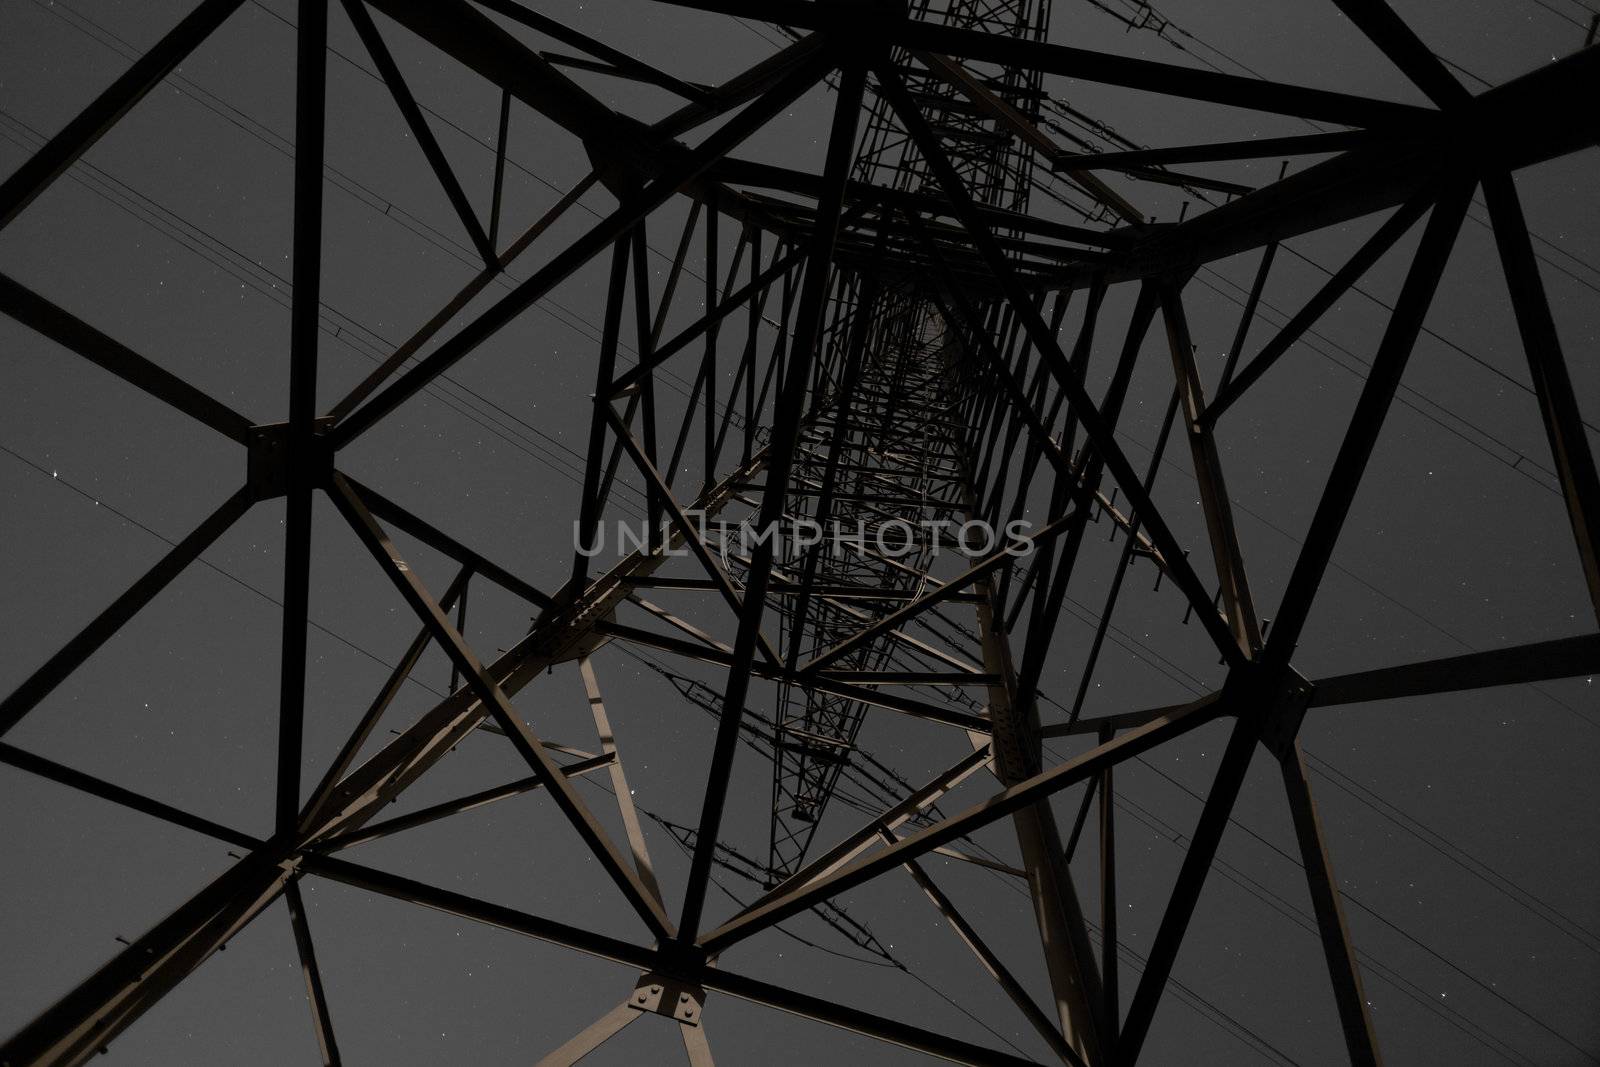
(1284, 711)
(668, 997)
(684, 962)
(270, 456)
(626, 162)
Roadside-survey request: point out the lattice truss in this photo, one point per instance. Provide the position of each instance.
(899, 334)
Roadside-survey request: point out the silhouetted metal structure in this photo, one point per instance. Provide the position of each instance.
(916, 375)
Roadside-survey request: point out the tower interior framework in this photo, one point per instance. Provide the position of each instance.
(871, 327)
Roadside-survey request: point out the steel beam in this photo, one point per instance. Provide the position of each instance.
(780, 904)
(1355, 1016)
(1565, 657)
(315, 992)
(492, 696)
(72, 333)
(786, 430)
(1563, 420)
(1366, 423)
(90, 124)
(87, 641)
(302, 461)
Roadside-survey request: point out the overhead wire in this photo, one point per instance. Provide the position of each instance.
(370, 655)
(68, 483)
(451, 246)
(1128, 143)
(1192, 999)
(829, 912)
(1393, 977)
(1546, 911)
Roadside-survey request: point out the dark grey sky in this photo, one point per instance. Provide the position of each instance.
(1461, 826)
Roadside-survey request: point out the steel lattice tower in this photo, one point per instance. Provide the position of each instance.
(883, 349)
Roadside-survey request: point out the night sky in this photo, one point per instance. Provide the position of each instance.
(1460, 826)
